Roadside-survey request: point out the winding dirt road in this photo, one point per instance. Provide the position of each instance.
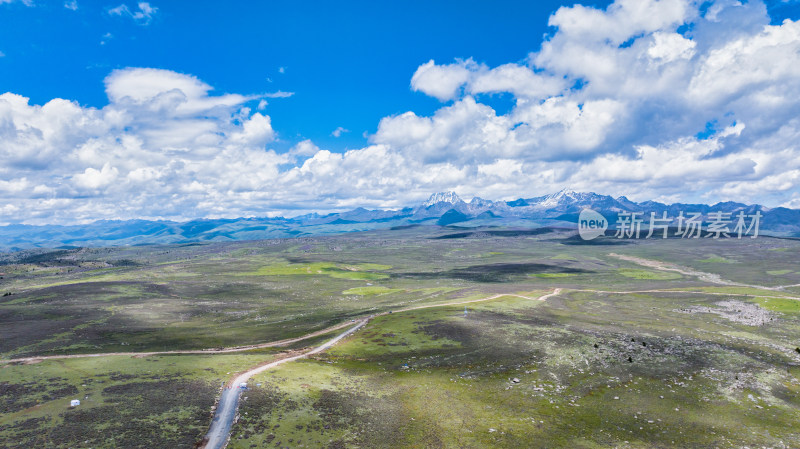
(225, 413)
(270, 344)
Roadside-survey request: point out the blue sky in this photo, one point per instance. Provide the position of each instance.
(348, 64)
(179, 110)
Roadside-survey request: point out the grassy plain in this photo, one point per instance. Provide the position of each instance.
(581, 370)
(126, 402)
(691, 364)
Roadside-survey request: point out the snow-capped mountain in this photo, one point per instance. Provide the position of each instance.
(442, 209)
(570, 201)
(442, 197)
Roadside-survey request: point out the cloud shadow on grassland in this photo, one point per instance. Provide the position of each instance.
(489, 273)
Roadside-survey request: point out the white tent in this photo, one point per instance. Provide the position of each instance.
(74, 403)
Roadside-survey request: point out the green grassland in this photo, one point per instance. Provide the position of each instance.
(592, 371)
(364, 291)
(126, 402)
(724, 355)
(228, 294)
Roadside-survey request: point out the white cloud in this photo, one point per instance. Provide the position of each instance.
(751, 63)
(622, 20)
(520, 81)
(92, 178)
(793, 203)
(256, 131)
(439, 81)
(71, 5)
(162, 131)
(501, 168)
(304, 148)
(619, 101)
(143, 14)
(671, 46)
(278, 94)
(339, 131)
(157, 89)
(2, 55)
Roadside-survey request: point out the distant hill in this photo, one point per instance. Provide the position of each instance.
(441, 209)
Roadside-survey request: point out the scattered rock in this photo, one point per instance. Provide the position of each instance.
(735, 311)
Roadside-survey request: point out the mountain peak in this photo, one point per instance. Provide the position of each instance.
(442, 197)
(556, 198)
(566, 192)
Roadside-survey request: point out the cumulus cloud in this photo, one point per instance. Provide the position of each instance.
(653, 99)
(164, 146)
(616, 100)
(668, 47)
(304, 148)
(441, 81)
(92, 178)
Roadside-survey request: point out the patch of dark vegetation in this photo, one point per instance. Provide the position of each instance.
(520, 232)
(490, 273)
(117, 377)
(402, 227)
(372, 422)
(607, 240)
(62, 392)
(16, 397)
(379, 422)
(136, 415)
(125, 263)
(38, 257)
(29, 319)
(27, 425)
(260, 400)
(457, 235)
(496, 233)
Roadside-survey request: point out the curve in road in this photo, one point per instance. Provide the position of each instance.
(225, 414)
(219, 432)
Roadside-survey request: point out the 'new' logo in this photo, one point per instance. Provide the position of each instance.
(591, 224)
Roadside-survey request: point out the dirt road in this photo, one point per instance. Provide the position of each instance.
(219, 432)
(270, 344)
(686, 271)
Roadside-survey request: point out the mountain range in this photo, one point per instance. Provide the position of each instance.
(559, 209)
